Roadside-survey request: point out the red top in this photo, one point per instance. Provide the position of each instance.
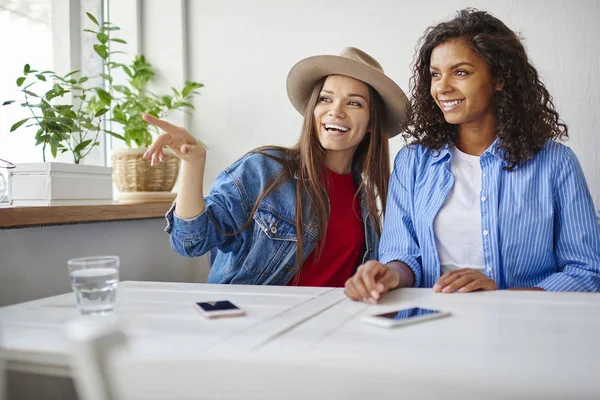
(344, 240)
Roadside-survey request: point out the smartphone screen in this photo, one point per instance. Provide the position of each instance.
(216, 306)
(408, 313)
(215, 309)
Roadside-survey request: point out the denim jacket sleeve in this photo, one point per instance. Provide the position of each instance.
(399, 240)
(225, 213)
(577, 235)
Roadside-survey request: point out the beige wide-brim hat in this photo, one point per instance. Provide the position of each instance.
(356, 64)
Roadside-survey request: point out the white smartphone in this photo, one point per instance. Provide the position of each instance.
(404, 317)
(216, 309)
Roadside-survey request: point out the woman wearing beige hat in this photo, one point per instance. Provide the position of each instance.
(306, 215)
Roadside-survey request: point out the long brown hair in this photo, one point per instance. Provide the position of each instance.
(305, 162)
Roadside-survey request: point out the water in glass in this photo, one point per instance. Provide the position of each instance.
(94, 281)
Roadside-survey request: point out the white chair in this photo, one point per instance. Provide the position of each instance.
(93, 341)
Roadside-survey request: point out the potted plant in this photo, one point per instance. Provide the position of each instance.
(135, 179)
(68, 116)
(73, 125)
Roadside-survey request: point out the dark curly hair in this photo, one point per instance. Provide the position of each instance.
(524, 110)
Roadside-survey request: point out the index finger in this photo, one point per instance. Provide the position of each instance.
(368, 274)
(161, 123)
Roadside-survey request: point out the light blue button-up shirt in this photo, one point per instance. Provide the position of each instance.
(538, 221)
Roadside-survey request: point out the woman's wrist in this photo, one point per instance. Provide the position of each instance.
(190, 198)
(405, 275)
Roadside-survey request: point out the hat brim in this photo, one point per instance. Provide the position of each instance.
(306, 73)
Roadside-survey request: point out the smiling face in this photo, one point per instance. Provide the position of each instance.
(342, 115)
(461, 84)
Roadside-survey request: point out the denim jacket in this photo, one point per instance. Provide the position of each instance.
(265, 252)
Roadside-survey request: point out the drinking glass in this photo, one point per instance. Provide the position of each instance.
(94, 281)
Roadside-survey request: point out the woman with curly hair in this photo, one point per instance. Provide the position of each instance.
(483, 197)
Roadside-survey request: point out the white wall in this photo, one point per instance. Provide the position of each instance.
(33, 261)
(242, 51)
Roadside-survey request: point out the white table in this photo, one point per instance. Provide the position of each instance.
(161, 320)
(501, 344)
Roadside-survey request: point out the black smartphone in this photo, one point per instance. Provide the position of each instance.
(215, 309)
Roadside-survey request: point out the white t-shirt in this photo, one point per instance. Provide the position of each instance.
(457, 226)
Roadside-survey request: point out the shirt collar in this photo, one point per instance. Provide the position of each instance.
(445, 152)
(441, 154)
(496, 151)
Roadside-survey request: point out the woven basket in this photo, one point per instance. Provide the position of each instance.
(132, 173)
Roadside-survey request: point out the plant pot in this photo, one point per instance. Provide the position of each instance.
(137, 181)
(57, 184)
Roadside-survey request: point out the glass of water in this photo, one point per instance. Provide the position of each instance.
(94, 281)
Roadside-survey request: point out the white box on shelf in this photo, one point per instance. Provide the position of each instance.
(59, 184)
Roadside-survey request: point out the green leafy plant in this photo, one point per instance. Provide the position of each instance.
(74, 124)
(68, 124)
(134, 99)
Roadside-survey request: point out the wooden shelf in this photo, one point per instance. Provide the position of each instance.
(17, 217)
